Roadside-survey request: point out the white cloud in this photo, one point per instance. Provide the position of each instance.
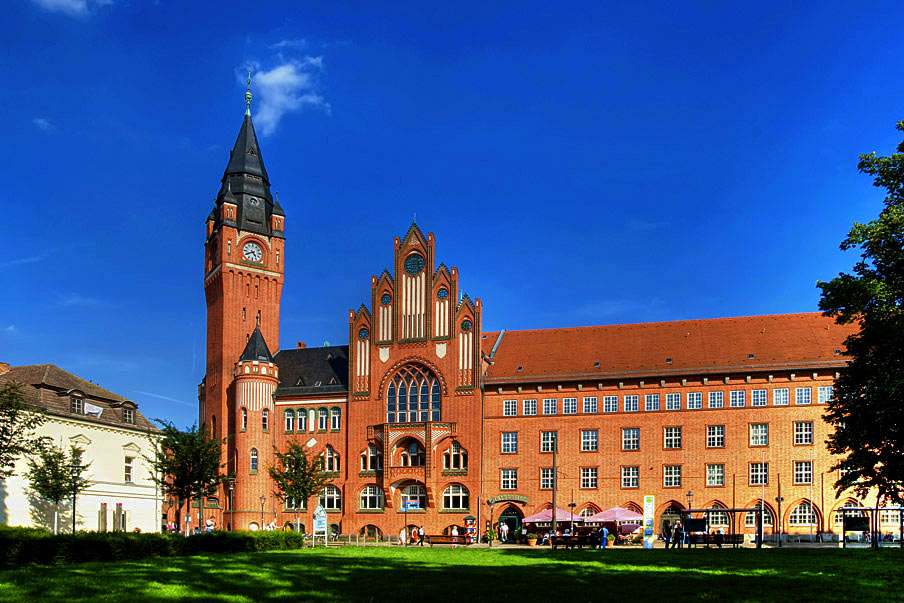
(43, 124)
(76, 300)
(11, 330)
(26, 260)
(167, 398)
(74, 8)
(296, 43)
(288, 87)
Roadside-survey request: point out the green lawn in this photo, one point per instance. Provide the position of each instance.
(443, 574)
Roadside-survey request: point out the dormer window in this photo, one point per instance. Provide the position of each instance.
(128, 416)
(76, 405)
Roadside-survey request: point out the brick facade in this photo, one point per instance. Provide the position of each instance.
(345, 402)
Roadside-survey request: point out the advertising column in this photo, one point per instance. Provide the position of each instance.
(649, 508)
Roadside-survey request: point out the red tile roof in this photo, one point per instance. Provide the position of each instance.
(711, 346)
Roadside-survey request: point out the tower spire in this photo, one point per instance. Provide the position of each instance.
(248, 96)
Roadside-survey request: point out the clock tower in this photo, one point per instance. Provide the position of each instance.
(243, 278)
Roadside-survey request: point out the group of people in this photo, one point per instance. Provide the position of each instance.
(673, 537)
(417, 536)
(600, 536)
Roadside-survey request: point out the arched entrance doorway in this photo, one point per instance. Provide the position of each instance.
(671, 515)
(511, 517)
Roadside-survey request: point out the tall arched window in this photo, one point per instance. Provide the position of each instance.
(335, 418)
(322, 419)
(718, 518)
(371, 459)
(254, 459)
(331, 498)
(456, 497)
(413, 395)
(802, 515)
(244, 419)
(750, 516)
(330, 460)
(416, 494)
(371, 498)
(265, 419)
(302, 420)
(588, 511)
(839, 514)
(290, 420)
(455, 458)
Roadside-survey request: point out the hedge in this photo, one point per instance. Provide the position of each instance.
(23, 546)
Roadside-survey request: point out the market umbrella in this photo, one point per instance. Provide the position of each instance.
(545, 516)
(615, 514)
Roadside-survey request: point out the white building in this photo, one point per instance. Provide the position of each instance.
(114, 438)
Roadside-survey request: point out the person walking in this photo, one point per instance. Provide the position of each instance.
(420, 535)
(503, 531)
(677, 535)
(667, 532)
(402, 535)
(604, 537)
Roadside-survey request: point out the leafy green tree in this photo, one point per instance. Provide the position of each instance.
(56, 477)
(298, 477)
(867, 410)
(17, 425)
(186, 465)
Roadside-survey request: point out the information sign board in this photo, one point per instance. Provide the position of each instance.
(649, 509)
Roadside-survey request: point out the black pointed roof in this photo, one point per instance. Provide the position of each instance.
(256, 349)
(246, 184)
(245, 157)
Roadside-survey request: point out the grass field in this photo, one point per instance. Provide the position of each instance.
(424, 574)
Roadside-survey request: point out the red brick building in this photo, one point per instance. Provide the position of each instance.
(423, 405)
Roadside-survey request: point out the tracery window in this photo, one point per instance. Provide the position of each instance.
(330, 460)
(456, 497)
(455, 457)
(290, 420)
(413, 395)
(331, 498)
(802, 515)
(371, 497)
(412, 455)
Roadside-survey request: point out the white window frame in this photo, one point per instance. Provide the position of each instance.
(509, 408)
(755, 434)
(671, 438)
(509, 442)
(651, 402)
(546, 478)
(716, 399)
(590, 405)
(781, 396)
(824, 394)
(610, 403)
(632, 403)
(715, 436)
(630, 476)
(550, 406)
(803, 395)
(508, 479)
(759, 397)
(529, 407)
(589, 478)
(630, 438)
(547, 440)
(803, 433)
(569, 406)
(803, 472)
(737, 398)
(694, 400)
(758, 474)
(715, 475)
(590, 440)
(673, 401)
(671, 476)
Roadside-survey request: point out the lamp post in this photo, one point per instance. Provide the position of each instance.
(690, 498)
(263, 502)
(231, 511)
(75, 470)
(491, 530)
(571, 506)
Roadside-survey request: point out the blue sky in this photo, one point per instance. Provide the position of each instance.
(581, 164)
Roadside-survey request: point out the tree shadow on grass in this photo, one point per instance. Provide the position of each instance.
(382, 574)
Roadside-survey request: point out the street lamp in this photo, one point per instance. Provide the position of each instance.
(572, 505)
(76, 470)
(491, 530)
(231, 490)
(263, 502)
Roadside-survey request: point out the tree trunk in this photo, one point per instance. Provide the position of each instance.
(56, 518)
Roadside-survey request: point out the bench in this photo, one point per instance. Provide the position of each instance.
(712, 539)
(444, 539)
(573, 541)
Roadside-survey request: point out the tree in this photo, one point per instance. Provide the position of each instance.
(56, 478)
(186, 465)
(17, 425)
(867, 410)
(297, 477)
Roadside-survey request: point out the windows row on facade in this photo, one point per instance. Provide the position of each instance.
(302, 420)
(455, 497)
(672, 476)
(672, 437)
(781, 396)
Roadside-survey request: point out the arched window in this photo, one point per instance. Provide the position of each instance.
(371, 531)
(244, 419)
(413, 395)
(265, 419)
(371, 497)
(335, 418)
(330, 460)
(750, 516)
(302, 420)
(632, 506)
(290, 420)
(839, 514)
(455, 458)
(330, 498)
(588, 511)
(371, 459)
(322, 419)
(412, 455)
(719, 518)
(456, 497)
(415, 494)
(254, 459)
(802, 515)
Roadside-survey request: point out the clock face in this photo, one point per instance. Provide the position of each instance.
(252, 252)
(414, 263)
(363, 333)
(466, 325)
(442, 293)
(254, 202)
(385, 299)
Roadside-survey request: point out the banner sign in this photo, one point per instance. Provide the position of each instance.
(319, 521)
(92, 410)
(649, 535)
(508, 498)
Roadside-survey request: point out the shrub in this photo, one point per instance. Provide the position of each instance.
(34, 546)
